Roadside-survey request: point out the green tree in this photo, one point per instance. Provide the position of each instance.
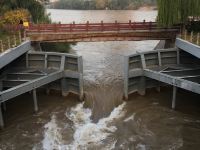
(35, 8)
(176, 11)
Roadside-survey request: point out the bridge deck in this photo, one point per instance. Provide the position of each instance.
(100, 32)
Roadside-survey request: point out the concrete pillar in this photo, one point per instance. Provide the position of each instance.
(160, 64)
(126, 76)
(81, 93)
(178, 57)
(46, 61)
(1, 118)
(35, 100)
(142, 80)
(142, 86)
(64, 87)
(159, 59)
(174, 97)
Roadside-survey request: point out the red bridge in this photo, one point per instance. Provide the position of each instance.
(91, 32)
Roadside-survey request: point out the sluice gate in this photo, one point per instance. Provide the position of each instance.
(34, 70)
(177, 67)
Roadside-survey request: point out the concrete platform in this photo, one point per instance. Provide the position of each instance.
(34, 70)
(177, 67)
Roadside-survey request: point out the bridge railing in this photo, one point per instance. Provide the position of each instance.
(92, 27)
(191, 37)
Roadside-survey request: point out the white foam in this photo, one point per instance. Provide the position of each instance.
(176, 144)
(52, 136)
(88, 133)
(140, 147)
(130, 118)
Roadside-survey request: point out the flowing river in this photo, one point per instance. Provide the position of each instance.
(104, 121)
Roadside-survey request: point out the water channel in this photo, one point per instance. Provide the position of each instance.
(104, 121)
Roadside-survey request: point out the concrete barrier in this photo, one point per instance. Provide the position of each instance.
(134, 78)
(176, 67)
(35, 70)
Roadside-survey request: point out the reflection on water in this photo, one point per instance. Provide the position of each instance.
(68, 16)
(104, 121)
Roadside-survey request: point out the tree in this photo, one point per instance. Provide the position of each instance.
(35, 8)
(100, 4)
(176, 11)
(14, 16)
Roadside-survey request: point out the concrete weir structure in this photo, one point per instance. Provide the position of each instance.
(25, 71)
(178, 67)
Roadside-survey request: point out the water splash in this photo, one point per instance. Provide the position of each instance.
(87, 134)
(132, 117)
(52, 135)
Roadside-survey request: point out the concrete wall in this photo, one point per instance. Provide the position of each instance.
(134, 79)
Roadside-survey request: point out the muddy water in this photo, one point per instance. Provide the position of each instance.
(103, 72)
(104, 121)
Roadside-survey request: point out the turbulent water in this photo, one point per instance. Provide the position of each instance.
(103, 121)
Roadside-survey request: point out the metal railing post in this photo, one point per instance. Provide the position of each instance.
(8, 38)
(87, 25)
(191, 36)
(20, 37)
(15, 40)
(24, 35)
(185, 34)
(150, 25)
(117, 25)
(74, 24)
(129, 23)
(1, 42)
(198, 38)
(70, 27)
(102, 28)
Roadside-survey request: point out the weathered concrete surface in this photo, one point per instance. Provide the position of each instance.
(188, 47)
(9, 55)
(56, 70)
(168, 66)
